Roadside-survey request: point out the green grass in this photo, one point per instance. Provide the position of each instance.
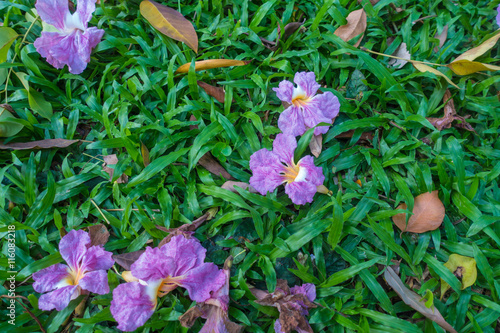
(129, 95)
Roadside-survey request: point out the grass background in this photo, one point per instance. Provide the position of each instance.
(129, 95)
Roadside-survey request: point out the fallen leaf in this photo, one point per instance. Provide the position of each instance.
(424, 68)
(464, 268)
(99, 234)
(414, 300)
(403, 56)
(145, 154)
(316, 145)
(42, 144)
(127, 259)
(356, 25)
(450, 114)
(216, 92)
(367, 136)
(210, 163)
(464, 64)
(170, 23)
(186, 229)
(428, 214)
(8, 128)
(113, 160)
(229, 185)
(441, 37)
(212, 63)
(290, 28)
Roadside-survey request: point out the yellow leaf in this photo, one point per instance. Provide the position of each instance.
(464, 268)
(479, 50)
(170, 23)
(466, 67)
(212, 63)
(424, 68)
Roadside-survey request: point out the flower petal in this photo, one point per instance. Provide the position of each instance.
(284, 146)
(277, 326)
(186, 253)
(201, 281)
(291, 121)
(329, 104)
(266, 168)
(57, 299)
(96, 258)
(284, 91)
(48, 278)
(85, 8)
(307, 289)
(498, 16)
(131, 306)
(153, 264)
(307, 81)
(300, 192)
(73, 247)
(95, 282)
(44, 45)
(313, 115)
(314, 173)
(53, 12)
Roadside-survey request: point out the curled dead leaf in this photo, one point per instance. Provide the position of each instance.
(99, 234)
(402, 54)
(42, 144)
(356, 25)
(210, 163)
(450, 115)
(212, 63)
(127, 259)
(113, 160)
(216, 92)
(428, 214)
(316, 145)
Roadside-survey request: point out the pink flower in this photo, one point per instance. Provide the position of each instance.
(86, 270)
(306, 109)
(273, 168)
(74, 41)
(158, 271)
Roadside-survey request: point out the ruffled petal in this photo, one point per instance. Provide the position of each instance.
(277, 326)
(328, 104)
(131, 306)
(85, 8)
(307, 81)
(203, 280)
(73, 247)
(95, 282)
(96, 258)
(313, 115)
(314, 173)
(300, 192)
(49, 278)
(153, 264)
(53, 12)
(266, 168)
(284, 91)
(284, 146)
(291, 121)
(498, 16)
(57, 299)
(46, 43)
(186, 253)
(307, 289)
(93, 37)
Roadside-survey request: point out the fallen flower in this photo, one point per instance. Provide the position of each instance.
(272, 168)
(158, 271)
(214, 309)
(293, 305)
(307, 109)
(86, 271)
(74, 41)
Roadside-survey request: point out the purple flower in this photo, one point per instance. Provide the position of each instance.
(272, 168)
(158, 271)
(306, 109)
(214, 309)
(74, 41)
(293, 305)
(498, 16)
(86, 271)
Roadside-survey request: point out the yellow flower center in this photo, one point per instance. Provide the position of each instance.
(74, 277)
(294, 173)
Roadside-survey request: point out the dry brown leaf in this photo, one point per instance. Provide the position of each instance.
(403, 54)
(414, 300)
(428, 214)
(356, 25)
(450, 114)
(145, 154)
(42, 144)
(216, 92)
(170, 23)
(112, 160)
(367, 136)
(229, 185)
(441, 37)
(212, 63)
(316, 145)
(210, 163)
(99, 234)
(127, 259)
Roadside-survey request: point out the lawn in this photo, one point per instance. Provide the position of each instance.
(128, 151)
